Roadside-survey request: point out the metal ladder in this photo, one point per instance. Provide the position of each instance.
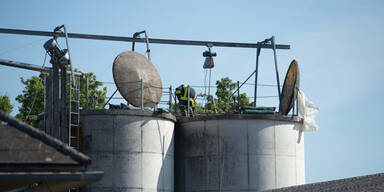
(74, 117)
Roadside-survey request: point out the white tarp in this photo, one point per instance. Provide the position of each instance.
(308, 112)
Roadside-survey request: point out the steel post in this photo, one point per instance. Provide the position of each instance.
(142, 94)
(238, 95)
(48, 104)
(256, 75)
(277, 70)
(56, 101)
(86, 92)
(170, 98)
(189, 96)
(69, 109)
(63, 113)
(140, 40)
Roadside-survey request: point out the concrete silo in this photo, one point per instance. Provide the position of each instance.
(134, 148)
(238, 152)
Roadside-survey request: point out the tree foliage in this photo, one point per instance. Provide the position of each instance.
(5, 104)
(96, 93)
(224, 101)
(32, 97)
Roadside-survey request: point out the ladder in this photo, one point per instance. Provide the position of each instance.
(74, 116)
(74, 140)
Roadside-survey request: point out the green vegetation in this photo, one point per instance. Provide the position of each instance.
(32, 97)
(5, 104)
(225, 87)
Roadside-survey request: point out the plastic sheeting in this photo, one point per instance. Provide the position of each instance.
(308, 112)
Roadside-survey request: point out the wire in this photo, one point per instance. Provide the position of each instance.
(34, 99)
(21, 46)
(264, 85)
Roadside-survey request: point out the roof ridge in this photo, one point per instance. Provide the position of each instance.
(45, 138)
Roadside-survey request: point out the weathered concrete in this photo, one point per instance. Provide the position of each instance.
(135, 149)
(238, 153)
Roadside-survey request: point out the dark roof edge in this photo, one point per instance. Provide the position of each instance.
(325, 183)
(53, 142)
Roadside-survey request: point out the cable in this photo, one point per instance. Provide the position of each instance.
(21, 46)
(34, 99)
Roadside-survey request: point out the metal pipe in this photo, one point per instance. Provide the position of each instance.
(170, 99)
(238, 95)
(86, 92)
(142, 40)
(147, 43)
(229, 98)
(48, 104)
(176, 107)
(31, 67)
(256, 75)
(63, 111)
(142, 93)
(277, 70)
(189, 96)
(69, 110)
(110, 98)
(209, 83)
(56, 99)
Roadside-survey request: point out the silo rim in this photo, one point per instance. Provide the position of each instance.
(277, 117)
(130, 112)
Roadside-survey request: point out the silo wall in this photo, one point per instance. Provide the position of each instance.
(238, 153)
(134, 148)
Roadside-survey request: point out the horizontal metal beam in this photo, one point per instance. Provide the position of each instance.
(32, 67)
(142, 40)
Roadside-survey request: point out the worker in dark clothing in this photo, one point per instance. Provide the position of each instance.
(182, 96)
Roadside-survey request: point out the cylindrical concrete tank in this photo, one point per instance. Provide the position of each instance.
(134, 148)
(238, 153)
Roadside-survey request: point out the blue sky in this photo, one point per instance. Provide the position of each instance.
(338, 45)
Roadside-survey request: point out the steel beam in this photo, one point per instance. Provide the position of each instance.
(32, 67)
(142, 40)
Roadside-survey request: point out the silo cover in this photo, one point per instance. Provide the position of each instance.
(290, 87)
(128, 69)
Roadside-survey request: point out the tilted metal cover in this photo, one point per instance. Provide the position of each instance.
(290, 87)
(129, 68)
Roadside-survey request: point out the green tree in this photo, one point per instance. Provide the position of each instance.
(96, 93)
(224, 102)
(32, 97)
(5, 104)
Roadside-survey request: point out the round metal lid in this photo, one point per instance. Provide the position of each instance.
(288, 94)
(129, 68)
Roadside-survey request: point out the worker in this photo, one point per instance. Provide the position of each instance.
(182, 96)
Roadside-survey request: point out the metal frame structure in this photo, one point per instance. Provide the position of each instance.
(143, 40)
(269, 41)
(266, 44)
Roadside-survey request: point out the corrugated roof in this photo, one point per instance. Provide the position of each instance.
(367, 183)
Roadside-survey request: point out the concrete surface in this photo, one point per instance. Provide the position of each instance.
(238, 154)
(136, 152)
